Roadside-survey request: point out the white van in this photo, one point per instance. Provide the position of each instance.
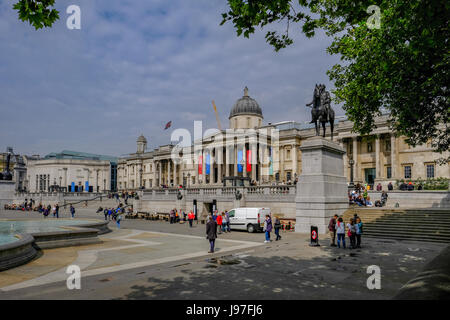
(250, 219)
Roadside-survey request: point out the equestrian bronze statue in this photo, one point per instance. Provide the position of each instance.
(321, 109)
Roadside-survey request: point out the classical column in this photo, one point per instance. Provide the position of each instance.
(203, 168)
(175, 179)
(244, 159)
(393, 158)
(65, 178)
(235, 155)
(160, 173)
(168, 173)
(211, 165)
(154, 174)
(345, 159)
(196, 165)
(355, 159)
(294, 161)
(253, 160)
(219, 154)
(377, 157)
(227, 161)
(281, 163)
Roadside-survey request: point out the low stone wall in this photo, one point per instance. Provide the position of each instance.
(414, 199)
(16, 253)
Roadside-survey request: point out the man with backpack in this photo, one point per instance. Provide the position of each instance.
(332, 229)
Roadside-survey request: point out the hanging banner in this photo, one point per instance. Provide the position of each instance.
(270, 161)
(72, 187)
(249, 160)
(200, 164)
(239, 161)
(208, 163)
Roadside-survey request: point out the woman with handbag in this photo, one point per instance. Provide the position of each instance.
(352, 233)
(340, 231)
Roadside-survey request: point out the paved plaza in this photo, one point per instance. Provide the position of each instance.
(157, 260)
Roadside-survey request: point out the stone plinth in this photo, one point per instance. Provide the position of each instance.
(322, 187)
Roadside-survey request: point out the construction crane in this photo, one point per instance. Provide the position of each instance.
(217, 116)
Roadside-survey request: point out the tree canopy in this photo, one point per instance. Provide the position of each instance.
(37, 12)
(401, 65)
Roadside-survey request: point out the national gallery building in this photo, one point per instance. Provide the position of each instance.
(267, 154)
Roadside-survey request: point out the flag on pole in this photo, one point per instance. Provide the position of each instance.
(168, 124)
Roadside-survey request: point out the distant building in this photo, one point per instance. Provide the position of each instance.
(378, 158)
(72, 171)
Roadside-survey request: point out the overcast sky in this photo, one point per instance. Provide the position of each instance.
(137, 64)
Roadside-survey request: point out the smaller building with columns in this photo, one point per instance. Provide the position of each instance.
(72, 171)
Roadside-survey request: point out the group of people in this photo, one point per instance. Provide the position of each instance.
(219, 223)
(354, 229)
(114, 214)
(360, 196)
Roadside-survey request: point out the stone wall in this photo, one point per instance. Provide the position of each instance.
(414, 199)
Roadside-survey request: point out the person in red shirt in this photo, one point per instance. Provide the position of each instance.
(191, 217)
(219, 223)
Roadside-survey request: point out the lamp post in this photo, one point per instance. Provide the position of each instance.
(188, 179)
(140, 179)
(351, 162)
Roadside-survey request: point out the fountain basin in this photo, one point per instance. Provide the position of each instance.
(20, 240)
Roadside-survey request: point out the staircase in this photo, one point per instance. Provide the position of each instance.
(429, 225)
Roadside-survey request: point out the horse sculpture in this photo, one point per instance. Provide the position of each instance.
(321, 109)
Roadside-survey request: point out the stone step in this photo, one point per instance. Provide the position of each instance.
(409, 238)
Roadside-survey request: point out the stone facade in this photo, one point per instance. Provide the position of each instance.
(275, 154)
(86, 173)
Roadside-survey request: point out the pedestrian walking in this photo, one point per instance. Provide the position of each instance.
(332, 229)
(359, 231)
(228, 221)
(267, 228)
(340, 231)
(72, 211)
(118, 219)
(277, 227)
(211, 233)
(57, 211)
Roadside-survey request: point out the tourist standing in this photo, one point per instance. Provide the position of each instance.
(54, 211)
(340, 231)
(359, 230)
(277, 227)
(219, 223)
(228, 220)
(224, 222)
(105, 213)
(267, 228)
(57, 210)
(351, 232)
(332, 229)
(72, 211)
(211, 233)
(191, 217)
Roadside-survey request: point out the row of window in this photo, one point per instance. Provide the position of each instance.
(407, 172)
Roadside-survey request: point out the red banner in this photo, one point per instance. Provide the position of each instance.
(248, 160)
(200, 163)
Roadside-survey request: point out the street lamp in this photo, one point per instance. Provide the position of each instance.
(351, 162)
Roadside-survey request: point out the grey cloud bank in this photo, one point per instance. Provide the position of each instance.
(134, 66)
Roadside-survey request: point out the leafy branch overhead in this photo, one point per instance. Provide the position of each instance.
(37, 12)
(402, 66)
